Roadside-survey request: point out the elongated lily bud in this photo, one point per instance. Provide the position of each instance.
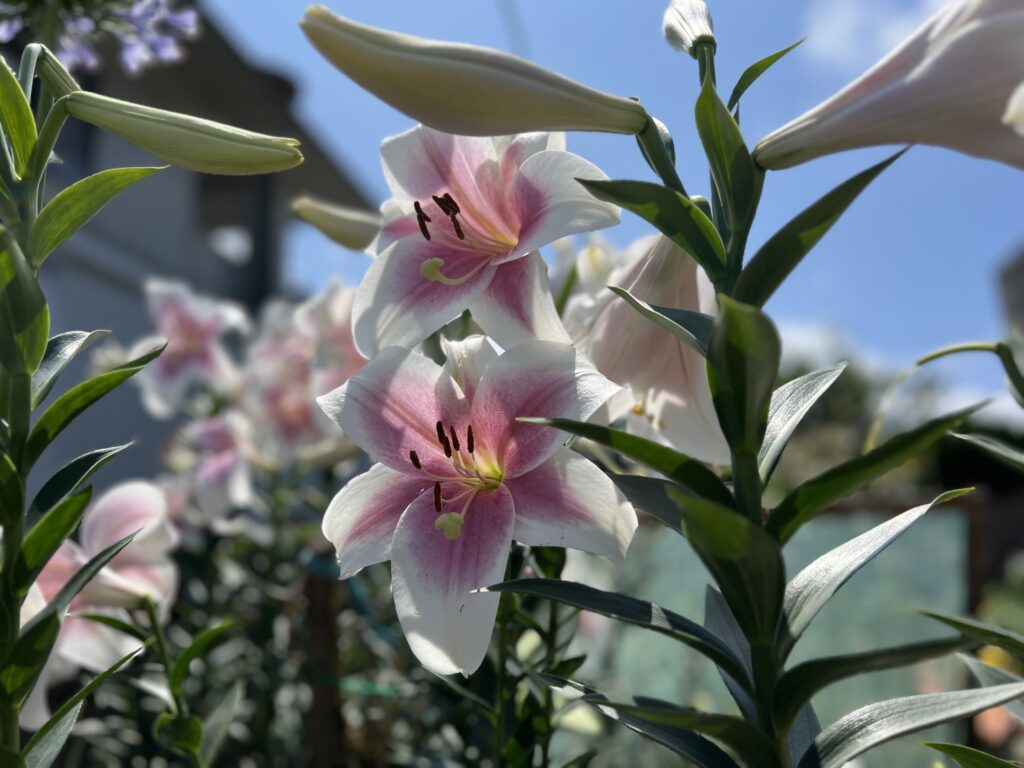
(55, 74)
(349, 227)
(688, 23)
(186, 141)
(465, 89)
(1014, 115)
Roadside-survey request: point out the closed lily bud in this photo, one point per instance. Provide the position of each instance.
(350, 227)
(688, 23)
(1014, 114)
(186, 141)
(947, 85)
(465, 89)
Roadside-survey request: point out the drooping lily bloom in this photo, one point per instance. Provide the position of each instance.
(194, 358)
(667, 377)
(462, 231)
(459, 478)
(948, 85)
(142, 569)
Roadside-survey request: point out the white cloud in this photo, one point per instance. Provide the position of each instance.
(851, 35)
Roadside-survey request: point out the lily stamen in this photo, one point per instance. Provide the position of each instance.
(431, 270)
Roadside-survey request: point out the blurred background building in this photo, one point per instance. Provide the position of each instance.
(224, 235)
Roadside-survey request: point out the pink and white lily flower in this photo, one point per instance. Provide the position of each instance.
(459, 478)
(463, 231)
(143, 569)
(667, 377)
(192, 327)
(327, 318)
(219, 478)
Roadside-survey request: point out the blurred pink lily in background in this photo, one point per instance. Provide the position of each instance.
(948, 85)
(143, 569)
(667, 378)
(194, 358)
(213, 456)
(462, 231)
(459, 478)
(327, 318)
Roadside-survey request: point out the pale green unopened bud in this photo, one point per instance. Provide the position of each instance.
(55, 74)
(687, 24)
(1014, 114)
(465, 89)
(186, 141)
(350, 227)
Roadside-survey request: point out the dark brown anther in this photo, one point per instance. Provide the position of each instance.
(437, 497)
(415, 459)
(422, 219)
(469, 439)
(455, 439)
(450, 209)
(458, 228)
(440, 433)
(447, 447)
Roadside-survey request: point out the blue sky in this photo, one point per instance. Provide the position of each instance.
(913, 266)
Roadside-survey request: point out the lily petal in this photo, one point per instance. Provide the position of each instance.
(568, 502)
(552, 204)
(517, 306)
(538, 378)
(361, 519)
(466, 361)
(391, 407)
(448, 628)
(124, 509)
(396, 305)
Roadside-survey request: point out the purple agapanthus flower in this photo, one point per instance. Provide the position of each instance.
(149, 31)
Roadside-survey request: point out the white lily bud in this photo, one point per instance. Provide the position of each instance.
(350, 227)
(688, 23)
(186, 141)
(465, 89)
(947, 85)
(1014, 114)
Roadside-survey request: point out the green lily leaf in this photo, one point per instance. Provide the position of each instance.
(693, 328)
(815, 585)
(988, 675)
(202, 642)
(878, 723)
(216, 724)
(674, 215)
(799, 684)
(68, 406)
(45, 538)
(24, 314)
(1008, 454)
(44, 746)
(631, 611)
(700, 751)
(732, 168)
(970, 758)
(676, 466)
(19, 126)
(987, 633)
(60, 351)
(754, 71)
(745, 561)
(815, 496)
(72, 208)
(778, 257)
(790, 403)
(68, 479)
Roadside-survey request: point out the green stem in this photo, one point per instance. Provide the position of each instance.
(164, 655)
(500, 680)
(977, 346)
(549, 698)
(746, 480)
